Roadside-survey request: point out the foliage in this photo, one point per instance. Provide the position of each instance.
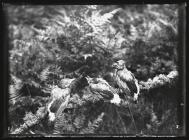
(53, 45)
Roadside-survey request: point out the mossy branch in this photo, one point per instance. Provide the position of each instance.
(31, 120)
(156, 82)
(159, 81)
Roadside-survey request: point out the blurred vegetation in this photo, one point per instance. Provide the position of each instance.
(50, 43)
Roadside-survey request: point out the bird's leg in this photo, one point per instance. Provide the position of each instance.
(131, 114)
(121, 121)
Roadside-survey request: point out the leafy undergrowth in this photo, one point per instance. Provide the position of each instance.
(52, 45)
(88, 114)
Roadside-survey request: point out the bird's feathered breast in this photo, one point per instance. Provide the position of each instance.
(125, 80)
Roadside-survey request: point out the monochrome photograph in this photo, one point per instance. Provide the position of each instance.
(95, 70)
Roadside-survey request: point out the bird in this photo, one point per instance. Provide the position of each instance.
(126, 80)
(60, 97)
(99, 86)
(79, 83)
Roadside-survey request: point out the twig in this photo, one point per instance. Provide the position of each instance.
(36, 118)
(125, 129)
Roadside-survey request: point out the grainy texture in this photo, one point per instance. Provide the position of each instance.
(56, 50)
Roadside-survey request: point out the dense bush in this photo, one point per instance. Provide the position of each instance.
(51, 43)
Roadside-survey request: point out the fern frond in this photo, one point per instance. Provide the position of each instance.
(96, 21)
(30, 120)
(92, 126)
(106, 17)
(79, 121)
(44, 74)
(63, 124)
(15, 89)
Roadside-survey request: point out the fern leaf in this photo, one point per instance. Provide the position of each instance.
(92, 126)
(96, 21)
(79, 121)
(106, 17)
(62, 124)
(15, 89)
(44, 74)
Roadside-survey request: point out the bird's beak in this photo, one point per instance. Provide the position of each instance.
(114, 65)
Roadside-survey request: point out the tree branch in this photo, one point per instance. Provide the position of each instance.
(33, 120)
(159, 81)
(156, 82)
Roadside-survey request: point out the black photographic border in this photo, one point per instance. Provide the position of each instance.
(182, 50)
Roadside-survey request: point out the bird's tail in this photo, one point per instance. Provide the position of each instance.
(138, 91)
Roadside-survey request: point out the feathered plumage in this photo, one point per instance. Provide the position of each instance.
(101, 87)
(58, 97)
(126, 80)
(61, 97)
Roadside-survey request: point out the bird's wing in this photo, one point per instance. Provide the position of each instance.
(122, 84)
(136, 83)
(102, 89)
(55, 104)
(63, 105)
(128, 79)
(107, 95)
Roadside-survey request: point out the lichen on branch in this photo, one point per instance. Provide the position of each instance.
(159, 81)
